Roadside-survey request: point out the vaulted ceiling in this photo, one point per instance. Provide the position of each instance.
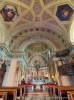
(26, 22)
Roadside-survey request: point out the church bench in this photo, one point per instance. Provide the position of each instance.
(70, 95)
(3, 95)
(62, 91)
(11, 92)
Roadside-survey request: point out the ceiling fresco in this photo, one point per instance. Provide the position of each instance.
(28, 21)
(28, 2)
(38, 35)
(64, 12)
(9, 12)
(47, 1)
(37, 47)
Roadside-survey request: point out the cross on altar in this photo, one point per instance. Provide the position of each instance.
(61, 60)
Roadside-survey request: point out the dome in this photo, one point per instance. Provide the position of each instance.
(37, 47)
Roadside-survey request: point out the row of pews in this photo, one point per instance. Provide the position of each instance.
(8, 93)
(15, 93)
(61, 92)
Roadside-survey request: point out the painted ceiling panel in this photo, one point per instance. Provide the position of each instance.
(30, 19)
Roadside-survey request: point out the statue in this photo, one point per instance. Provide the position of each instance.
(3, 66)
(37, 66)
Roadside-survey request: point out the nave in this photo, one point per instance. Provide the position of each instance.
(37, 46)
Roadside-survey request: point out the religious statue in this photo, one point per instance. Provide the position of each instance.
(3, 66)
(37, 66)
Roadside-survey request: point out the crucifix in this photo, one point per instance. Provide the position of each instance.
(61, 61)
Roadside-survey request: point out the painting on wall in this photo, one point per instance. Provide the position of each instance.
(9, 13)
(62, 53)
(64, 12)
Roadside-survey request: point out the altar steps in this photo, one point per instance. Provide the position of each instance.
(37, 98)
(38, 94)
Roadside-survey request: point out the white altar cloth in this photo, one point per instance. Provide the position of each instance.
(37, 82)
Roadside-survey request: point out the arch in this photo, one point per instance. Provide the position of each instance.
(40, 55)
(32, 25)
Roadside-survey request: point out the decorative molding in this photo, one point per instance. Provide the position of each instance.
(37, 8)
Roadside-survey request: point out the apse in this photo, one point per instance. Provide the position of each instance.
(38, 58)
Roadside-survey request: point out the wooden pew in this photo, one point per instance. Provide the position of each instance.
(70, 95)
(10, 90)
(67, 88)
(3, 95)
(62, 91)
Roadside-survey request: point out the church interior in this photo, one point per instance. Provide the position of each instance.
(37, 49)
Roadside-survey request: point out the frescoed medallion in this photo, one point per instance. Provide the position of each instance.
(64, 12)
(9, 13)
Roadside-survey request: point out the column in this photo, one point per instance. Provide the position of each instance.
(57, 73)
(62, 80)
(65, 80)
(12, 72)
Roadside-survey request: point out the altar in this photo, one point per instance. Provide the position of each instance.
(37, 82)
(38, 85)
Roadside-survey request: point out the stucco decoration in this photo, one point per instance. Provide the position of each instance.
(37, 47)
